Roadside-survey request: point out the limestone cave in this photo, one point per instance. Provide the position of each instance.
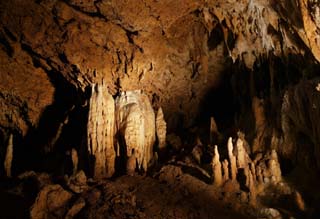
(160, 109)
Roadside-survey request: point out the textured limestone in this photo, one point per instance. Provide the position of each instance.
(75, 160)
(136, 126)
(51, 202)
(100, 129)
(131, 164)
(197, 151)
(216, 168)
(241, 154)
(232, 160)
(225, 167)
(214, 133)
(161, 128)
(9, 156)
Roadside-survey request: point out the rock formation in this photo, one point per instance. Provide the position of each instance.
(161, 128)
(251, 176)
(197, 151)
(75, 160)
(216, 168)
(9, 156)
(232, 159)
(101, 131)
(225, 168)
(241, 154)
(51, 202)
(214, 133)
(136, 126)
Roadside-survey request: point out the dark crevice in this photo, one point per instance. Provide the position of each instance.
(6, 45)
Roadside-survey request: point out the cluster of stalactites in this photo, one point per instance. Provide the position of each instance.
(263, 170)
(131, 119)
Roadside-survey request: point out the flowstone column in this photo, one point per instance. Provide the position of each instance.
(100, 131)
(136, 125)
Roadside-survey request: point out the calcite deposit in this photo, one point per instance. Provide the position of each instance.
(100, 128)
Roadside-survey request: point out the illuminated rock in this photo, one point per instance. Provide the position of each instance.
(225, 168)
(161, 128)
(100, 129)
(216, 167)
(232, 159)
(135, 121)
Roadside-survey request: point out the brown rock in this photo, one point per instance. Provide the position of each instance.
(51, 202)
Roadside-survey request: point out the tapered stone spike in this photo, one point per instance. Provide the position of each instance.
(9, 156)
(253, 170)
(259, 174)
(225, 168)
(213, 129)
(197, 151)
(274, 166)
(232, 159)
(242, 156)
(100, 130)
(135, 121)
(161, 128)
(216, 167)
(75, 160)
(252, 189)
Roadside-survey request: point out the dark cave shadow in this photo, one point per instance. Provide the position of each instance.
(38, 149)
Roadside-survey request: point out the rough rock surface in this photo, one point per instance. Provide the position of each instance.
(50, 203)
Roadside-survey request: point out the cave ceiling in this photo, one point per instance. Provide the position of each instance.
(176, 51)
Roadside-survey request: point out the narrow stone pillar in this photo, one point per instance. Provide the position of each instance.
(216, 167)
(232, 159)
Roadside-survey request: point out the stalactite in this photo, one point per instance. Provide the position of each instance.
(161, 128)
(101, 131)
(136, 125)
(9, 156)
(232, 159)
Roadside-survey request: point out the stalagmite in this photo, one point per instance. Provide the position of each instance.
(9, 156)
(161, 128)
(213, 130)
(75, 160)
(274, 167)
(252, 189)
(232, 158)
(225, 166)
(259, 174)
(242, 156)
(216, 167)
(101, 131)
(136, 126)
(253, 170)
(197, 151)
(131, 164)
